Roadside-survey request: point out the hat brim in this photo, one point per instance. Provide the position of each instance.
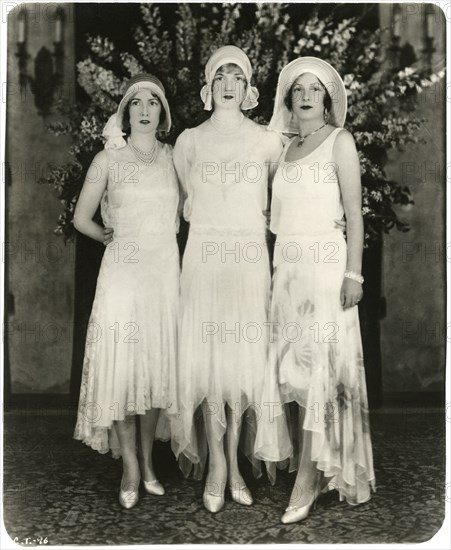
(230, 60)
(329, 78)
(165, 126)
(224, 56)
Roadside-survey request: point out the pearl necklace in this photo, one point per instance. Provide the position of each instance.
(302, 138)
(146, 157)
(226, 127)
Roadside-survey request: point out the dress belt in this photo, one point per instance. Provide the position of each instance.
(227, 231)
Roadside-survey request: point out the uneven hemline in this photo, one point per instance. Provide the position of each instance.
(124, 417)
(102, 451)
(181, 454)
(98, 438)
(285, 464)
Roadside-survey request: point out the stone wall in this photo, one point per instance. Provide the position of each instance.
(40, 267)
(413, 334)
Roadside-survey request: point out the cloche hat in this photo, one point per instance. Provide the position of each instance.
(282, 120)
(142, 81)
(223, 56)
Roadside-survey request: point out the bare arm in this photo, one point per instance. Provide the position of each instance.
(346, 157)
(89, 200)
(181, 162)
(276, 143)
(181, 157)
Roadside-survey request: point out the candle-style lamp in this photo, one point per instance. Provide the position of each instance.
(22, 26)
(22, 54)
(397, 22)
(58, 44)
(429, 36)
(59, 15)
(396, 35)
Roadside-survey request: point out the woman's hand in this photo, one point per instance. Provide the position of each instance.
(107, 235)
(340, 224)
(351, 293)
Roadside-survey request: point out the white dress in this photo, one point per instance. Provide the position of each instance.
(316, 355)
(225, 283)
(130, 354)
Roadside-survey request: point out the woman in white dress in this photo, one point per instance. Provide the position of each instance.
(316, 355)
(130, 354)
(223, 165)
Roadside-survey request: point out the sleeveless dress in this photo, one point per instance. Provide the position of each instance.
(225, 286)
(316, 355)
(130, 354)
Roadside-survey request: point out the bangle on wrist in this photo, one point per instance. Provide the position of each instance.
(354, 276)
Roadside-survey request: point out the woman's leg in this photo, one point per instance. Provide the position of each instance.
(217, 468)
(147, 425)
(240, 493)
(307, 476)
(306, 487)
(126, 433)
(232, 439)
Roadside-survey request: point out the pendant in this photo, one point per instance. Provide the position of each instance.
(301, 141)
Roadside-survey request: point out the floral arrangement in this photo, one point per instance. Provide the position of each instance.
(380, 103)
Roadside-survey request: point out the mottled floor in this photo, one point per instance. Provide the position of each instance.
(58, 488)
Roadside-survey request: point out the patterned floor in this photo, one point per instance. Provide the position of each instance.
(57, 488)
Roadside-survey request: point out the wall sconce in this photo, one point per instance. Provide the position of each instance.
(48, 67)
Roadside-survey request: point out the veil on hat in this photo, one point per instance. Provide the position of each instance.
(223, 56)
(113, 128)
(282, 119)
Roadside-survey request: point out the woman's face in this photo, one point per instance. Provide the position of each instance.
(307, 97)
(229, 87)
(145, 109)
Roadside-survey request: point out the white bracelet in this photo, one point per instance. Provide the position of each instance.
(354, 276)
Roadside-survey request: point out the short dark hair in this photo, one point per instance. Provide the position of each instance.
(288, 99)
(126, 115)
